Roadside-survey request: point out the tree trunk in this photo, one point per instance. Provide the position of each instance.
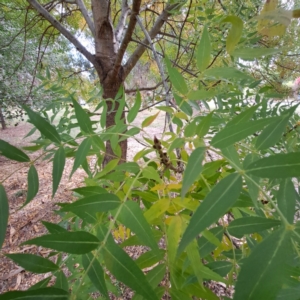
(2, 119)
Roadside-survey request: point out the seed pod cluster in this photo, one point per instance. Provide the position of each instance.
(164, 159)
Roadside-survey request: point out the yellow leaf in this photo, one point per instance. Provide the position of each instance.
(181, 115)
(159, 187)
(149, 120)
(157, 209)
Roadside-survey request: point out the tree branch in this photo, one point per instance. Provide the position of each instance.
(134, 12)
(121, 24)
(86, 16)
(41, 10)
(151, 88)
(163, 17)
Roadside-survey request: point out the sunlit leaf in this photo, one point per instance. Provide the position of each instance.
(220, 267)
(58, 168)
(235, 32)
(79, 242)
(150, 173)
(157, 209)
(217, 202)
(149, 120)
(203, 51)
(95, 273)
(12, 152)
(193, 169)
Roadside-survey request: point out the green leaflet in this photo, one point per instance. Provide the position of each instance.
(83, 118)
(90, 191)
(95, 273)
(203, 127)
(150, 173)
(276, 166)
(135, 109)
(235, 32)
(286, 199)
(150, 258)
(61, 281)
(263, 272)
(58, 168)
(53, 228)
(154, 277)
(235, 133)
(227, 73)
(132, 217)
(271, 134)
(203, 51)
(253, 53)
(252, 187)
(43, 126)
(81, 154)
(4, 212)
(12, 152)
(124, 268)
(41, 284)
(193, 169)
(92, 204)
(176, 78)
(243, 116)
(149, 120)
(220, 267)
(79, 242)
(217, 202)
(33, 263)
(248, 225)
(49, 293)
(33, 184)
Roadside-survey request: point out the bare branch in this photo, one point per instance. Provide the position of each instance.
(121, 24)
(41, 10)
(86, 16)
(163, 17)
(134, 12)
(151, 88)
